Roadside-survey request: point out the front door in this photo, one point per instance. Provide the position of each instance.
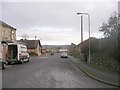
(4, 51)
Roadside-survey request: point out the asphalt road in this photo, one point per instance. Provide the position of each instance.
(48, 71)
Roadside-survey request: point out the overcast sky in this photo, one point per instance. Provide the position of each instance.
(57, 22)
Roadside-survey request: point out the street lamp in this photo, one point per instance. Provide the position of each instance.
(89, 32)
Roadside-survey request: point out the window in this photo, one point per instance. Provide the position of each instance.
(12, 35)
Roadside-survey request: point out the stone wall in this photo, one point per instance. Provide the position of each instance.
(8, 34)
(37, 50)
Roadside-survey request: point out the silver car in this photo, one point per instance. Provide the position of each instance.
(64, 54)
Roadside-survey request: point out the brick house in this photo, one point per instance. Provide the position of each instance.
(7, 34)
(33, 46)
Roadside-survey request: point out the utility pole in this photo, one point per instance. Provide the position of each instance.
(81, 28)
(89, 58)
(35, 41)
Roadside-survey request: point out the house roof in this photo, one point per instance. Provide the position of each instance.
(6, 25)
(86, 42)
(6, 42)
(31, 44)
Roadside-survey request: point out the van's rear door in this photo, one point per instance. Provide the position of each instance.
(12, 51)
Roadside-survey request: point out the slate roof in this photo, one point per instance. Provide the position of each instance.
(31, 44)
(6, 42)
(6, 25)
(85, 42)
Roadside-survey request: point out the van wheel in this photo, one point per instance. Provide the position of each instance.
(3, 65)
(6, 62)
(22, 61)
(9, 63)
(28, 60)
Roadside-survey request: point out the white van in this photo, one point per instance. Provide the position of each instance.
(17, 53)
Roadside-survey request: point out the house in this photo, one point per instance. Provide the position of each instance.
(33, 46)
(72, 48)
(45, 49)
(7, 35)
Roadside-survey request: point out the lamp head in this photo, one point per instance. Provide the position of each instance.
(79, 13)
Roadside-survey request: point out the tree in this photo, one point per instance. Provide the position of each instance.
(110, 29)
(24, 36)
(109, 44)
(104, 28)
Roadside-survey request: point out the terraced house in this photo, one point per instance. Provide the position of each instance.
(7, 34)
(34, 46)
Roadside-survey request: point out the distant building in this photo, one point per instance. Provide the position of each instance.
(61, 50)
(72, 48)
(33, 46)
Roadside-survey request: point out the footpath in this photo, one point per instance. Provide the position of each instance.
(106, 77)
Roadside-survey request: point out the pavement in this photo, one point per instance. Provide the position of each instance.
(48, 71)
(105, 77)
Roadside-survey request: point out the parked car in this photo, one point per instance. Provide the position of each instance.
(52, 53)
(64, 54)
(17, 53)
(2, 64)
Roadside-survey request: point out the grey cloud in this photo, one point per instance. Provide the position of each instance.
(51, 14)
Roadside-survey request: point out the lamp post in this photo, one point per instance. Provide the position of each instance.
(89, 32)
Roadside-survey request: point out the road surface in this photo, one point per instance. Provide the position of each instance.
(50, 71)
